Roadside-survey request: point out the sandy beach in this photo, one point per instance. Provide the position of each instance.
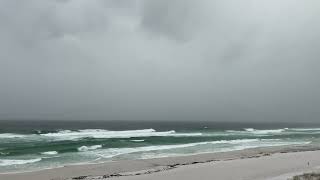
(274, 163)
(159, 90)
(274, 167)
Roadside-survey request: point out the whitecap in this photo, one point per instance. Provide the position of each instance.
(101, 133)
(87, 148)
(50, 153)
(305, 129)
(263, 132)
(11, 135)
(249, 129)
(137, 140)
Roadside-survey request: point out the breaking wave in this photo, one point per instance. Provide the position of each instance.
(100, 133)
(111, 152)
(97, 133)
(238, 144)
(10, 162)
(11, 135)
(74, 135)
(137, 140)
(50, 153)
(87, 148)
(305, 129)
(267, 131)
(262, 132)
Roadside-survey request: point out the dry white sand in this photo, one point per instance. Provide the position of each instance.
(275, 167)
(261, 163)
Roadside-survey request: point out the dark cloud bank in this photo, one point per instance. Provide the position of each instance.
(212, 60)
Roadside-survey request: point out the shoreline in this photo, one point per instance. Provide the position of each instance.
(129, 168)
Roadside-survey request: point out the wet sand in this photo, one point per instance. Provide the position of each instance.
(272, 163)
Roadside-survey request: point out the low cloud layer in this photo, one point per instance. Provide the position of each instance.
(160, 60)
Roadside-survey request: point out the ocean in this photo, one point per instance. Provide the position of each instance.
(35, 145)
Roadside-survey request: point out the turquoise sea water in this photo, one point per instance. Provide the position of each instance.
(34, 145)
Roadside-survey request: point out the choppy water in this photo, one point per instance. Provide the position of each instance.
(33, 145)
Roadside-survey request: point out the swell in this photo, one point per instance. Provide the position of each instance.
(9, 162)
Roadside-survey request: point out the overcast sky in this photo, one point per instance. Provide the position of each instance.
(218, 60)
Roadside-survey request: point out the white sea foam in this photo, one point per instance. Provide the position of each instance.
(88, 148)
(9, 162)
(279, 131)
(236, 145)
(256, 132)
(305, 129)
(50, 153)
(263, 143)
(11, 135)
(111, 152)
(137, 140)
(249, 129)
(267, 131)
(100, 133)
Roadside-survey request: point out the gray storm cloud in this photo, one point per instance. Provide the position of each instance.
(160, 60)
